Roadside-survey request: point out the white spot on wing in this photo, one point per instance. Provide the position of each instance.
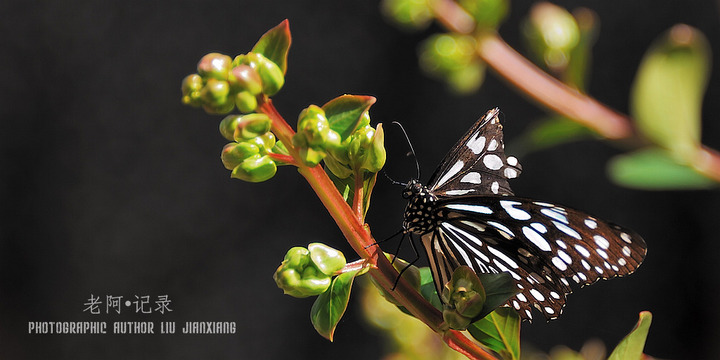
(591, 223)
(452, 172)
(510, 173)
(512, 161)
(559, 264)
(476, 144)
(537, 295)
(601, 241)
(492, 145)
(502, 228)
(480, 209)
(495, 187)
(566, 229)
(582, 250)
(492, 161)
(459, 192)
(503, 257)
(514, 213)
(553, 215)
(472, 178)
(536, 238)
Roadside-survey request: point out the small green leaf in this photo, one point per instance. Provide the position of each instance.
(330, 306)
(668, 90)
(427, 288)
(631, 347)
(551, 131)
(655, 169)
(275, 45)
(499, 331)
(498, 289)
(345, 112)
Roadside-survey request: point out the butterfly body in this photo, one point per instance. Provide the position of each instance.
(468, 215)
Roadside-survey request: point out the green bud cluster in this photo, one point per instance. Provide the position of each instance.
(308, 271)
(314, 136)
(363, 150)
(248, 156)
(452, 58)
(463, 297)
(221, 83)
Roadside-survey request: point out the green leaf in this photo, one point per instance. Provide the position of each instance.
(345, 112)
(427, 288)
(551, 131)
(631, 347)
(330, 306)
(655, 169)
(275, 45)
(499, 331)
(498, 289)
(668, 90)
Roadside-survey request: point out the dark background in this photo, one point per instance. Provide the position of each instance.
(111, 187)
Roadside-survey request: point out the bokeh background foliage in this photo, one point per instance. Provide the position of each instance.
(110, 186)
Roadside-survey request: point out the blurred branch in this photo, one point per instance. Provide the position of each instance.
(550, 92)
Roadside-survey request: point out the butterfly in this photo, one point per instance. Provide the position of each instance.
(468, 215)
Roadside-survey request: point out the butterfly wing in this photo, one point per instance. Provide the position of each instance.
(544, 247)
(477, 164)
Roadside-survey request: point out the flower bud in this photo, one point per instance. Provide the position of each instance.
(264, 142)
(250, 126)
(256, 168)
(464, 298)
(313, 124)
(307, 272)
(245, 78)
(233, 154)
(214, 66)
(311, 157)
(246, 102)
(271, 75)
(191, 87)
(327, 259)
(215, 97)
(366, 150)
(340, 170)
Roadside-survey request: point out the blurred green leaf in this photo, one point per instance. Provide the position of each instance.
(666, 98)
(345, 112)
(499, 331)
(410, 15)
(487, 13)
(330, 306)
(655, 169)
(275, 44)
(548, 132)
(631, 347)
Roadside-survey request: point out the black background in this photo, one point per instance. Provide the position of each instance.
(111, 187)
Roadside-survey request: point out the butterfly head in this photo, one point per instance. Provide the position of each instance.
(412, 188)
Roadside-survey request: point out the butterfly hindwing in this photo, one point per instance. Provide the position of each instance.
(477, 163)
(544, 247)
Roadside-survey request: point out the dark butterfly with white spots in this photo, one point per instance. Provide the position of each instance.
(467, 215)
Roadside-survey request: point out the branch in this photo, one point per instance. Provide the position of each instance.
(550, 92)
(364, 244)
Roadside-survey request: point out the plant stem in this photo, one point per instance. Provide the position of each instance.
(550, 92)
(365, 246)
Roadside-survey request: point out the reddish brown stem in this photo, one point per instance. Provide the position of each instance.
(550, 92)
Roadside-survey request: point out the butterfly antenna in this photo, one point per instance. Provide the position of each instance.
(412, 150)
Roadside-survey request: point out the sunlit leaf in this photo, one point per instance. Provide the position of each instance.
(345, 112)
(668, 90)
(499, 331)
(275, 44)
(631, 347)
(330, 306)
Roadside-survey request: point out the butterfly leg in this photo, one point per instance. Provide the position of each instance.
(417, 256)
